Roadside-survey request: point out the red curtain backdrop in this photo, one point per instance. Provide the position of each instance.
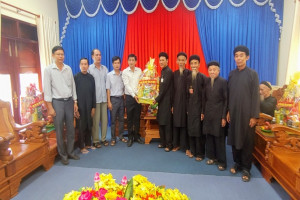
(149, 34)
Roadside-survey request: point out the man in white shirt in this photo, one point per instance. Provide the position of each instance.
(131, 76)
(99, 73)
(61, 98)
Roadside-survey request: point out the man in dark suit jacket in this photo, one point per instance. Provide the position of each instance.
(215, 110)
(164, 100)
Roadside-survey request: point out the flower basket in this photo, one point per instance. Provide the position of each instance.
(138, 188)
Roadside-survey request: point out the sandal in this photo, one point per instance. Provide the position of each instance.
(113, 143)
(199, 158)
(123, 140)
(176, 149)
(90, 147)
(187, 152)
(167, 149)
(246, 176)
(234, 169)
(105, 143)
(221, 168)
(84, 151)
(210, 162)
(161, 146)
(191, 156)
(97, 145)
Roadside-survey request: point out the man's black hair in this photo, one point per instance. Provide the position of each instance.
(182, 54)
(132, 56)
(56, 48)
(84, 59)
(115, 58)
(194, 57)
(163, 54)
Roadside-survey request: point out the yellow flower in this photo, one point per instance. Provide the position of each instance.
(111, 196)
(73, 195)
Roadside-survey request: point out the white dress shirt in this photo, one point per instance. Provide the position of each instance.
(131, 80)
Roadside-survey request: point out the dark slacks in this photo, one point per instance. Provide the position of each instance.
(165, 134)
(180, 137)
(243, 157)
(197, 146)
(117, 112)
(215, 149)
(85, 137)
(133, 111)
(64, 115)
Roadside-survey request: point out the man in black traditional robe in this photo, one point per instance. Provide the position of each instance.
(243, 93)
(215, 110)
(267, 102)
(195, 86)
(164, 100)
(86, 97)
(179, 109)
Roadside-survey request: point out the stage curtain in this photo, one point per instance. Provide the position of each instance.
(249, 25)
(103, 32)
(149, 34)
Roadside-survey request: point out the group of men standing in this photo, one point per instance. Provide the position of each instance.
(193, 109)
(196, 113)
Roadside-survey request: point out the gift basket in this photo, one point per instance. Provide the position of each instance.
(289, 105)
(148, 87)
(33, 107)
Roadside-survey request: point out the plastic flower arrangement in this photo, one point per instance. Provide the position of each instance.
(138, 188)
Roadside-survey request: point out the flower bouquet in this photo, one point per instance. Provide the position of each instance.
(148, 87)
(138, 188)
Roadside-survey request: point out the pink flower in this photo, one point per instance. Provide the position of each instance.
(102, 192)
(96, 177)
(121, 198)
(124, 180)
(85, 195)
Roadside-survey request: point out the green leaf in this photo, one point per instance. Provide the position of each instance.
(129, 190)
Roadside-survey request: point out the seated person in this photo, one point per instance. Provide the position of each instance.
(267, 102)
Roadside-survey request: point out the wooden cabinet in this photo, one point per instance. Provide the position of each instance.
(279, 157)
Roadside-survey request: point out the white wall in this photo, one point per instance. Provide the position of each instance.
(285, 42)
(45, 7)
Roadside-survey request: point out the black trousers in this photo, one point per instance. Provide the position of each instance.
(133, 111)
(165, 134)
(197, 146)
(180, 138)
(84, 137)
(215, 149)
(243, 157)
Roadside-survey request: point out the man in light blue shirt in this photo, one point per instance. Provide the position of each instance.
(99, 73)
(115, 99)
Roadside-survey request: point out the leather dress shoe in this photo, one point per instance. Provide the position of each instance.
(64, 161)
(74, 157)
(130, 142)
(140, 141)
